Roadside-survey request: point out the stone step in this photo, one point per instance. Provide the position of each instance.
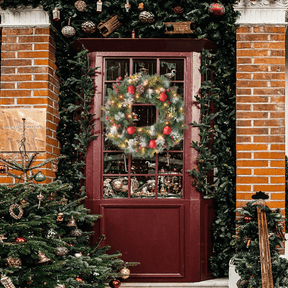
(214, 283)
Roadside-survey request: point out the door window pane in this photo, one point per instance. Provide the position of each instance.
(148, 66)
(172, 68)
(116, 68)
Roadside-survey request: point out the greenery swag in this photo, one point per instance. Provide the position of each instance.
(217, 99)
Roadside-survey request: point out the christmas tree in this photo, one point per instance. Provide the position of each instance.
(246, 243)
(44, 236)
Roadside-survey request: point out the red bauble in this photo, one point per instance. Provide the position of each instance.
(78, 279)
(131, 130)
(3, 169)
(131, 89)
(247, 219)
(152, 144)
(20, 240)
(216, 9)
(167, 130)
(115, 283)
(163, 96)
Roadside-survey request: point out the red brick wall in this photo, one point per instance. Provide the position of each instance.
(28, 80)
(261, 113)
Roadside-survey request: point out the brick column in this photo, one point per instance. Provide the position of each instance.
(28, 72)
(260, 104)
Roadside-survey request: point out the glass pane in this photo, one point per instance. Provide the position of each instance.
(116, 68)
(115, 187)
(147, 66)
(179, 87)
(170, 163)
(178, 146)
(115, 163)
(143, 115)
(106, 87)
(146, 188)
(172, 69)
(143, 166)
(170, 187)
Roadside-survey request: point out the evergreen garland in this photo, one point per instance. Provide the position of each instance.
(217, 125)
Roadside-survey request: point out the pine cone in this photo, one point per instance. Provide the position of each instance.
(178, 10)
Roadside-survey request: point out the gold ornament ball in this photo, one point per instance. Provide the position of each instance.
(120, 97)
(80, 5)
(126, 273)
(68, 31)
(88, 27)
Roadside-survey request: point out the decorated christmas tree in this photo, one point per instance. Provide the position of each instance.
(44, 234)
(247, 258)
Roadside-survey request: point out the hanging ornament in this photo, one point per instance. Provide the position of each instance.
(64, 201)
(39, 177)
(76, 233)
(51, 234)
(60, 217)
(127, 5)
(56, 14)
(133, 34)
(43, 257)
(177, 10)
(40, 197)
(141, 6)
(3, 169)
(61, 251)
(68, 31)
(163, 97)
(152, 144)
(72, 223)
(54, 167)
(12, 211)
(115, 283)
(23, 201)
(20, 240)
(131, 89)
(2, 237)
(126, 273)
(80, 5)
(99, 6)
(88, 27)
(167, 130)
(60, 286)
(248, 242)
(146, 17)
(78, 279)
(13, 261)
(247, 219)
(131, 130)
(78, 255)
(216, 9)
(6, 282)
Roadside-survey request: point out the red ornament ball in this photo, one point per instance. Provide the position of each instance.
(2, 169)
(152, 144)
(20, 240)
(167, 130)
(131, 130)
(131, 89)
(216, 9)
(247, 219)
(115, 283)
(78, 279)
(163, 97)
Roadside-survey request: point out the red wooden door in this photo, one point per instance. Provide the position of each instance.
(151, 211)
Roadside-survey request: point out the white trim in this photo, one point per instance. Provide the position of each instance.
(262, 11)
(24, 16)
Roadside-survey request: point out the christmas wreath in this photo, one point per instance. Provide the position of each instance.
(144, 142)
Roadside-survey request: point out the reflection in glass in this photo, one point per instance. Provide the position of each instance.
(143, 115)
(115, 187)
(147, 66)
(115, 163)
(143, 166)
(172, 69)
(179, 88)
(170, 186)
(170, 163)
(116, 68)
(146, 188)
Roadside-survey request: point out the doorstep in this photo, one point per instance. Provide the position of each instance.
(214, 283)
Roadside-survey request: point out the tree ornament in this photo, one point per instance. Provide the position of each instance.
(110, 26)
(60, 217)
(60, 286)
(51, 233)
(43, 257)
(40, 197)
(131, 130)
(99, 6)
(76, 233)
(68, 31)
(127, 6)
(163, 97)
(88, 27)
(131, 89)
(126, 273)
(80, 5)
(167, 130)
(216, 9)
(6, 282)
(54, 167)
(78, 279)
(115, 283)
(12, 213)
(3, 169)
(56, 14)
(13, 261)
(20, 240)
(2, 237)
(39, 177)
(133, 34)
(152, 144)
(247, 219)
(64, 201)
(72, 223)
(141, 6)
(78, 255)
(121, 97)
(61, 251)
(178, 10)
(146, 17)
